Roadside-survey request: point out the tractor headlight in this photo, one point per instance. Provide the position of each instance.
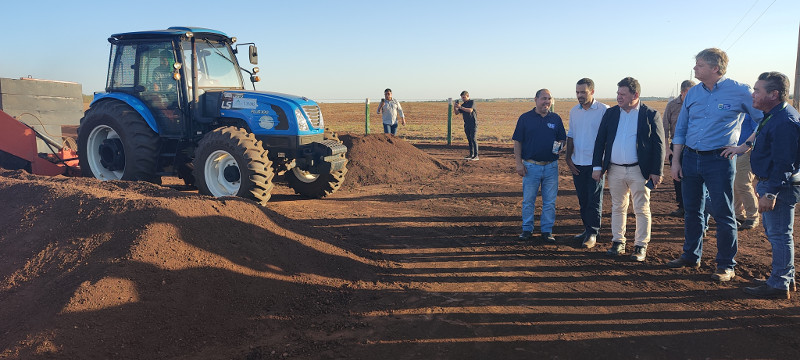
(302, 124)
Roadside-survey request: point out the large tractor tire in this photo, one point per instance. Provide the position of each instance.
(230, 161)
(312, 185)
(115, 143)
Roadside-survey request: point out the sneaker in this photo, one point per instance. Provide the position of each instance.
(639, 253)
(468, 157)
(617, 249)
(677, 213)
(475, 158)
(767, 291)
(548, 237)
(526, 235)
(723, 275)
(681, 263)
(581, 236)
(747, 225)
(589, 242)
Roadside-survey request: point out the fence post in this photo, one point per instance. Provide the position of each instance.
(449, 121)
(366, 118)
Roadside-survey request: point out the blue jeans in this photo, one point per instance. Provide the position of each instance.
(390, 129)
(715, 174)
(470, 131)
(590, 198)
(544, 177)
(778, 226)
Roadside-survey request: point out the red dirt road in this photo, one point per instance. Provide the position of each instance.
(416, 257)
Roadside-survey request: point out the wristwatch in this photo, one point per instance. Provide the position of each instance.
(770, 196)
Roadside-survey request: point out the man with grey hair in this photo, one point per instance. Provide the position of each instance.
(708, 125)
(670, 119)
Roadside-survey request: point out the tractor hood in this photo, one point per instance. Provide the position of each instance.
(271, 112)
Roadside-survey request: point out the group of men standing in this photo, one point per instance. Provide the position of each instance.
(626, 144)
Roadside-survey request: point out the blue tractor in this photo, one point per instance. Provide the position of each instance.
(175, 104)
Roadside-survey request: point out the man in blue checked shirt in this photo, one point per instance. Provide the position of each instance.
(709, 123)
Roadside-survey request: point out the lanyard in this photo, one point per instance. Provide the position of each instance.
(766, 118)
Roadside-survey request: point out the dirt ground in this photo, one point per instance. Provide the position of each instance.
(416, 257)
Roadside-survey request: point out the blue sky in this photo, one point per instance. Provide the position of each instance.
(351, 50)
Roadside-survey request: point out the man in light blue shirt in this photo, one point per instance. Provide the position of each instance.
(710, 121)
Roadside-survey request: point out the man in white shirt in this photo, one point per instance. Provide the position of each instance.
(391, 109)
(584, 120)
(630, 146)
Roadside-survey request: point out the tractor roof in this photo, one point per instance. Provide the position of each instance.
(169, 32)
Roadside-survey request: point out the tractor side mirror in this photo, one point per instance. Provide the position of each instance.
(253, 55)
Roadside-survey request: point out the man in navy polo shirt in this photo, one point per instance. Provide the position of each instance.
(538, 139)
(775, 161)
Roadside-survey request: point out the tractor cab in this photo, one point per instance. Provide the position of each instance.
(157, 68)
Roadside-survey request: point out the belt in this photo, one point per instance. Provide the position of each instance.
(706, 152)
(626, 165)
(538, 162)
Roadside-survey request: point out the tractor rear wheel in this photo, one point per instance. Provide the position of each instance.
(312, 185)
(115, 143)
(230, 161)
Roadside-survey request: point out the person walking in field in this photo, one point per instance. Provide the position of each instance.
(391, 109)
(584, 121)
(538, 138)
(708, 125)
(467, 110)
(630, 146)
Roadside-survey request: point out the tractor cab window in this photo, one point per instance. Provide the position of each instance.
(156, 68)
(158, 86)
(216, 66)
(121, 74)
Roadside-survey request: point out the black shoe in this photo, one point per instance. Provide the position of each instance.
(747, 225)
(580, 236)
(677, 213)
(617, 249)
(792, 284)
(548, 238)
(589, 242)
(681, 263)
(526, 235)
(723, 275)
(639, 253)
(767, 291)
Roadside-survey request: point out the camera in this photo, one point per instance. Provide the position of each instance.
(456, 102)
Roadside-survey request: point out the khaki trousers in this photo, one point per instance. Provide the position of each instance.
(624, 183)
(745, 203)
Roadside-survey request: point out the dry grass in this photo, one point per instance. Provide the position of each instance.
(427, 121)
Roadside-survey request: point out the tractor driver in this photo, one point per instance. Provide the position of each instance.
(162, 74)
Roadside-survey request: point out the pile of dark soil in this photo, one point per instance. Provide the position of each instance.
(156, 272)
(386, 159)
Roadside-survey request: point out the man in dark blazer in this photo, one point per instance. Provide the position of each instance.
(630, 146)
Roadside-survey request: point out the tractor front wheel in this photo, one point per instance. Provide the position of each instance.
(230, 161)
(312, 185)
